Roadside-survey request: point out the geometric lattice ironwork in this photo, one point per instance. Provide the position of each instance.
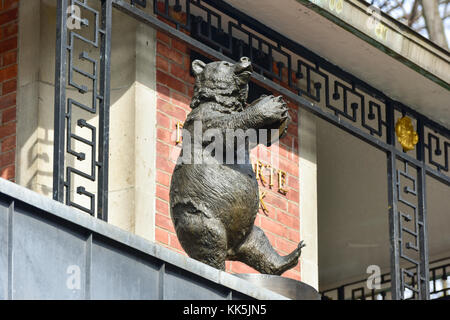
(411, 234)
(438, 149)
(439, 278)
(82, 114)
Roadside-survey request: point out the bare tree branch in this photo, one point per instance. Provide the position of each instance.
(434, 23)
(413, 14)
(419, 15)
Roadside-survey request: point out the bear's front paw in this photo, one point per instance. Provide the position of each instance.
(272, 109)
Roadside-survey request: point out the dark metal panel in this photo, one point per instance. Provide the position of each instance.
(46, 254)
(4, 249)
(88, 261)
(238, 296)
(179, 285)
(120, 273)
(162, 271)
(48, 238)
(11, 209)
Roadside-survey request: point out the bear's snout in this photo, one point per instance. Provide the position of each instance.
(244, 65)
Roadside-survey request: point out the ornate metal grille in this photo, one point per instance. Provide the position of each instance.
(317, 86)
(357, 290)
(92, 86)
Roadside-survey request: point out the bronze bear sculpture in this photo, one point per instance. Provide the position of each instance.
(213, 204)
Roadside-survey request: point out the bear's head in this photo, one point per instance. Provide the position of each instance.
(222, 82)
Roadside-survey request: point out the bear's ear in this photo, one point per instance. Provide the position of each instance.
(198, 66)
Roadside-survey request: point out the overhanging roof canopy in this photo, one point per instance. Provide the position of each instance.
(396, 60)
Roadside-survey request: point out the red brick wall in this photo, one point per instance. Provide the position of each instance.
(8, 86)
(174, 90)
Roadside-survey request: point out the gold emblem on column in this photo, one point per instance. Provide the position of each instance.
(406, 134)
(179, 134)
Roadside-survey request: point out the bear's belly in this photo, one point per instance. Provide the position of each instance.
(228, 193)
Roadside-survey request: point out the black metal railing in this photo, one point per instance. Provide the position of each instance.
(360, 290)
(69, 75)
(219, 31)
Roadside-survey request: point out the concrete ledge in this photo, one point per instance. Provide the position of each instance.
(390, 36)
(13, 197)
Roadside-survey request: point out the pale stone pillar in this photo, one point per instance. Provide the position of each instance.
(28, 93)
(145, 132)
(308, 198)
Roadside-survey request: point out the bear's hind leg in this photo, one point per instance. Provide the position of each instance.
(202, 236)
(258, 253)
